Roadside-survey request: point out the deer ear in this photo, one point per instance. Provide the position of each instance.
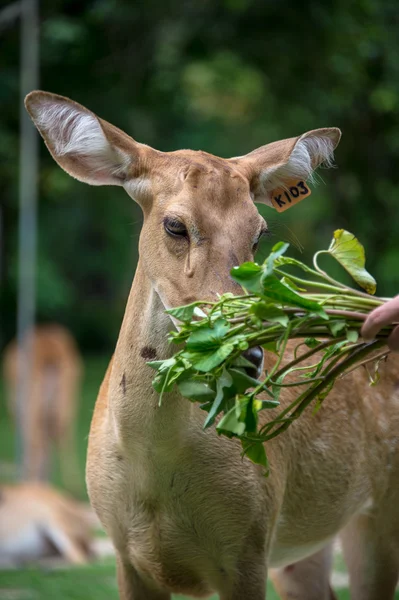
(275, 165)
(84, 145)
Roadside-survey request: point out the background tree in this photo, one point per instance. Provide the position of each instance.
(224, 76)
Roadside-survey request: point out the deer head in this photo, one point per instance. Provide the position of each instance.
(200, 217)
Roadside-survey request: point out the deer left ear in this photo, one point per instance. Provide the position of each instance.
(279, 163)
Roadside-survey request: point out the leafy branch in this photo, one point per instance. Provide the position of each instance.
(277, 306)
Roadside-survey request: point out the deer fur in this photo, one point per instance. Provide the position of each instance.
(52, 402)
(37, 522)
(185, 512)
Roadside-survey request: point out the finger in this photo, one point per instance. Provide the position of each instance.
(379, 317)
(393, 340)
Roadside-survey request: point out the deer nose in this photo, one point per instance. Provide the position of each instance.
(255, 356)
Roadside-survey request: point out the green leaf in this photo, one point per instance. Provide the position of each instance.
(256, 452)
(336, 327)
(274, 289)
(196, 390)
(251, 416)
(241, 406)
(277, 385)
(352, 335)
(270, 347)
(311, 342)
(230, 425)
(277, 250)
(322, 396)
(268, 404)
(276, 389)
(224, 391)
(248, 275)
(208, 338)
(287, 260)
(293, 286)
(349, 252)
(242, 362)
(159, 383)
(162, 365)
(183, 313)
(269, 312)
(376, 378)
(327, 354)
(155, 364)
(242, 380)
(246, 412)
(206, 361)
(162, 381)
(198, 312)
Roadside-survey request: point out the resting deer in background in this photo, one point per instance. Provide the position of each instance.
(38, 522)
(52, 402)
(186, 514)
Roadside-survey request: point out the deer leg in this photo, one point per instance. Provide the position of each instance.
(251, 585)
(307, 579)
(132, 587)
(371, 553)
(249, 582)
(64, 542)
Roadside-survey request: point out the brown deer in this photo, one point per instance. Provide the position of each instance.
(52, 402)
(185, 512)
(37, 522)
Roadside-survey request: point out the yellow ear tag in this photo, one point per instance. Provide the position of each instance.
(294, 192)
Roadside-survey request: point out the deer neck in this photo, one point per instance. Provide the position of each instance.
(133, 403)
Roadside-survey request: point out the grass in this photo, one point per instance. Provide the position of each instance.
(83, 583)
(80, 583)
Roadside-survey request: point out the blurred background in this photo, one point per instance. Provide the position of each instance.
(225, 76)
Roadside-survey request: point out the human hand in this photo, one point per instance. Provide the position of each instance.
(387, 314)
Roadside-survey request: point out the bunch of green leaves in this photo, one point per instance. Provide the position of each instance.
(277, 305)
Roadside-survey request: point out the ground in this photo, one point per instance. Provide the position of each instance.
(97, 580)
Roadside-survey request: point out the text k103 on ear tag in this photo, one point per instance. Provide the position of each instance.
(294, 192)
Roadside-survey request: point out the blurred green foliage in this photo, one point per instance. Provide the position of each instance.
(224, 76)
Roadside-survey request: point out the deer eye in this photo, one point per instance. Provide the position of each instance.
(175, 228)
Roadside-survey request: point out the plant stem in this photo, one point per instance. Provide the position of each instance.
(365, 362)
(308, 282)
(348, 297)
(321, 346)
(333, 312)
(309, 395)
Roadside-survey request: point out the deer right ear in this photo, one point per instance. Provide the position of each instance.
(84, 145)
(276, 164)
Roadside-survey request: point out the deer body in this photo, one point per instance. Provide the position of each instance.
(185, 512)
(193, 509)
(37, 522)
(52, 404)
